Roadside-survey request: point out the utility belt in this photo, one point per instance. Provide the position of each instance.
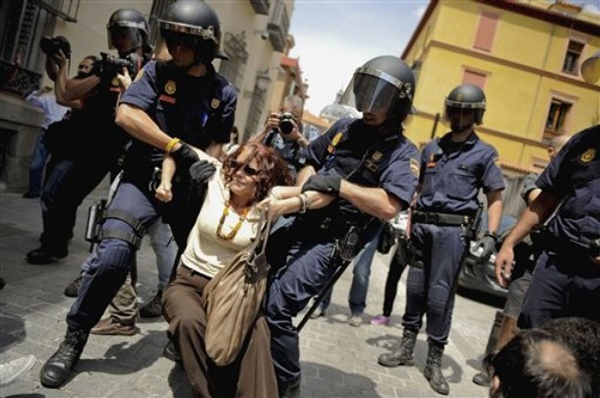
(441, 218)
(542, 238)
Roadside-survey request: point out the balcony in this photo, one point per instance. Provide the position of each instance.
(261, 7)
(278, 27)
(18, 80)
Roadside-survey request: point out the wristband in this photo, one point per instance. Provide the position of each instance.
(171, 144)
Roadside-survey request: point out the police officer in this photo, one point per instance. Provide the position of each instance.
(566, 280)
(360, 171)
(453, 169)
(184, 97)
(92, 150)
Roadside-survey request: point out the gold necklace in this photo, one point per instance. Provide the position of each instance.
(235, 229)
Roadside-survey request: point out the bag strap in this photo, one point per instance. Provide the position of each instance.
(264, 230)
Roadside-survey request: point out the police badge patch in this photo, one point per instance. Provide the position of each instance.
(170, 87)
(588, 155)
(215, 103)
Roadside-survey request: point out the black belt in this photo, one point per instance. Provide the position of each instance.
(440, 218)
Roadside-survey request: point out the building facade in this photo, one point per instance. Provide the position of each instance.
(524, 55)
(254, 37)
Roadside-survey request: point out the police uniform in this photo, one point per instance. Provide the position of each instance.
(303, 250)
(565, 281)
(199, 110)
(451, 176)
(91, 148)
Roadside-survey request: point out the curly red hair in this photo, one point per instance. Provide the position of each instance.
(272, 169)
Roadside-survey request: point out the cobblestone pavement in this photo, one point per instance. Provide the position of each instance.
(337, 359)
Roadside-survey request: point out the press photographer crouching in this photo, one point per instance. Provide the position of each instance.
(87, 146)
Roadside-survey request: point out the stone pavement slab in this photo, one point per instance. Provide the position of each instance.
(337, 360)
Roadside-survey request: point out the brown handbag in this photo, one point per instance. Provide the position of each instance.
(234, 297)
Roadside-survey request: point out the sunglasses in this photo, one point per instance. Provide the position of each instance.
(248, 170)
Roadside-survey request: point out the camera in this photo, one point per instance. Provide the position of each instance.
(286, 124)
(131, 62)
(51, 45)
(595, 248)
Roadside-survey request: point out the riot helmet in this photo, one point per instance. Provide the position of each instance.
(127, 30)
(385, 84)
(194, 24)
(464, 107)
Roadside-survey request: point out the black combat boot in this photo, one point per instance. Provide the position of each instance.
(404, 356)
(433, 370)
(45, 255)
(58, 368)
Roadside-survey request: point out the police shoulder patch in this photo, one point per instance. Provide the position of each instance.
(115, 81)
(215, 103)
(588, 155)
(414, 167)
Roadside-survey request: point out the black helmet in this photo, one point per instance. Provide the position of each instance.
(384, 82)
(127, 23)
(194, 23)
(465, 106)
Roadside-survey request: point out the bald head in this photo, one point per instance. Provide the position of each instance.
(556, 145)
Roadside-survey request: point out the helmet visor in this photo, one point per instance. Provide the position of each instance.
(122, 38)
(460, 118)
(368, 93)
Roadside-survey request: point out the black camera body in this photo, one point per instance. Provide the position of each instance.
(595, 248)
(51, 45)
(131, 62)
(286, 124)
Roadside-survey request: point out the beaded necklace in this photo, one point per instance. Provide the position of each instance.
(235, 229)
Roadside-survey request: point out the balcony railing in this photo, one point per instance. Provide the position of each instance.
(18, 80)
(261, 7)
(278, 27)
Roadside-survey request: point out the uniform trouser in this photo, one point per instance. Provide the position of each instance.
(431, 289)
(38, 161)
(302, 257)
(397, 266)
(251, 375)
(357, 297)
(123, 308)
(109, 266)
(67, 183)
(566, 284)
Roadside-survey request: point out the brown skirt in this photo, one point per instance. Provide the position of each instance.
(184, 310)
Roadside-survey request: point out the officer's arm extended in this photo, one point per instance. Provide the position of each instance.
(537, 212)
(373, 201)
(137, 123)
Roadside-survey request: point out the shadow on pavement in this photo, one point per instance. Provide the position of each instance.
(12, 331)
(320, 380)
(178, 381)
(125, 358)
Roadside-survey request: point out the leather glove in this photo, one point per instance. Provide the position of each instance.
(329, 184)
(201, 171)
(486, 244)
(184, 158)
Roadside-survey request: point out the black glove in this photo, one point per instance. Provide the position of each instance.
(486, 244)
(184, 158)
(201, 171)
(329, 184)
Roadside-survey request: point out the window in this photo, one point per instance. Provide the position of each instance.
(555, 123)
(571, 64)
(486, 31)
(235, 48)
(473, 77)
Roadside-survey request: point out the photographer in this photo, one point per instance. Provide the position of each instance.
(284, 132)
(87, 146)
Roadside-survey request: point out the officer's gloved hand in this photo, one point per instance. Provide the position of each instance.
(329, 184)
(184, 157)
(201, 171)
(486, 244)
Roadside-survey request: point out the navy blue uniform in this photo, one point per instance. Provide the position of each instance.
(302, 251)
(565, 281)
(200, 110)
(89, 153)
(450, 179)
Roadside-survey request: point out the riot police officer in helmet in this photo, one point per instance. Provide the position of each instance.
(92, 150)
(358, 172)
(183, 97)
(453, 169)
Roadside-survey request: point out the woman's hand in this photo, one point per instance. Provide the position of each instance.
(124, 79)
(279, 207)
(163, 193)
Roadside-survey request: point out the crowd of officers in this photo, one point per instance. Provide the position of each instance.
(363, 170)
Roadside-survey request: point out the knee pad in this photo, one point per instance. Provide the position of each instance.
(112, 254)
(439, 296)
